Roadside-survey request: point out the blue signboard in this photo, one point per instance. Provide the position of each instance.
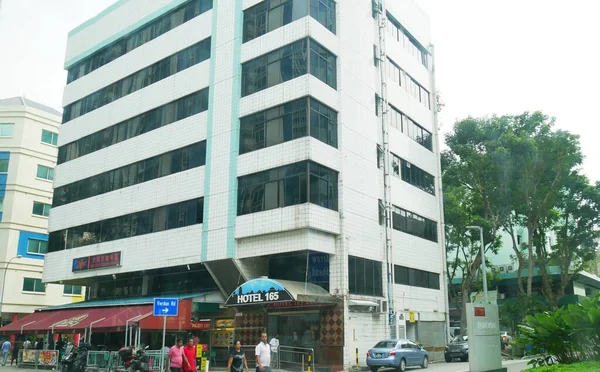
(165, 307)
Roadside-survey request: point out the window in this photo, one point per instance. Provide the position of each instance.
(7, 129)
(288, 63)
(1, 204)
(172, 162)
(69, 289)
(163, 218)
(50, 138)
(36, 246)
(138, 37)
(273, 14)
(400, 77)
(287, 122)
(298, 183)
(158, 71)
(416, 278)
(377, 104)
(3, 165)
(41, 209)
(407, 126)
(44, 172)
(412, 174)
(413, 224)
(364, 276)
(156, 118)
(399, 34)
(33, 285)
(375, 56)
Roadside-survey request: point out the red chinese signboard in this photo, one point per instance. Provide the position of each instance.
(201, 325)
(98, 261)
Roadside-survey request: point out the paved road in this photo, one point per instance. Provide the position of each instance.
(511, 365)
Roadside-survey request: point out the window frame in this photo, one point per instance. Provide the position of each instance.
(53, 138)
(45, 209)
(35, 281)
(2, 165)
(48, 170)
(72, 292)
(354, 265)
(39, 246)
(7, 125)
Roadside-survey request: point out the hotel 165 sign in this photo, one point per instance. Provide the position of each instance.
(99, 261)
(259, 291)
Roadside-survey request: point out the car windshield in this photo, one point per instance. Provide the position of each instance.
(386, 344)
(460, 338)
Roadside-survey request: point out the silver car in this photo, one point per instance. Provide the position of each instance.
(397, 354)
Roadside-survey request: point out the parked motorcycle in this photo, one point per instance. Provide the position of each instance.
(75, 358)
(135, 360)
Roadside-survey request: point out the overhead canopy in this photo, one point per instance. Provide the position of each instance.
(262, 291)
(77, 319)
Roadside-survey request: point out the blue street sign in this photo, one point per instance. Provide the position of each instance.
(165, 307)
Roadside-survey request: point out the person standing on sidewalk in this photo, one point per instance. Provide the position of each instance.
(263, 355)
(15, 354)
(5, 350)
(176, 356)
(274, 343)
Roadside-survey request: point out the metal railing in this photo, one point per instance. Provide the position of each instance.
(292, 358)
(99, 360)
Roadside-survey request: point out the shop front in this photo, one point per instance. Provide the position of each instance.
(306, 318)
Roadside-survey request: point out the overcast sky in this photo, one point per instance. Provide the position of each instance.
(492, 57)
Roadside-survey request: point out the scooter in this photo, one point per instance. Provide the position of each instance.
(75, 358)
(135, 360)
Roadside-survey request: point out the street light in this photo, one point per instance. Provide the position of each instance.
(4, 283)
(483, 269)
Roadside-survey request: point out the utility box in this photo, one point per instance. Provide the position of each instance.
(483, 329)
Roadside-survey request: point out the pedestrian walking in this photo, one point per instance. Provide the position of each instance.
(237, 359)
(274, 343)
(176, 356)
(189, 356)
(5, 350)
(263, 354)
(15, 354)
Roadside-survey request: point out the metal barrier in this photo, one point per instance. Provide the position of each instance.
(154, 357)
(291, 358)
(31, 358)
(99, 360)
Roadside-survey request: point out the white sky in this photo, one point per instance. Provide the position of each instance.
(492, 57)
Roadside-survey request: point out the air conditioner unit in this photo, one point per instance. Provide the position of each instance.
(510, 268)
(502, 269)
(382, 306)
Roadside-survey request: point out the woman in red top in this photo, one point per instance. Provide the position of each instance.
(189, 356)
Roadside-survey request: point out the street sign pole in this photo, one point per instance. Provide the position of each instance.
(165, 307)
(162, 350)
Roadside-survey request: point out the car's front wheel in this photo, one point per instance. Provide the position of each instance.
(447, 359)
(425, 363)
(402, 365)
(374, 369)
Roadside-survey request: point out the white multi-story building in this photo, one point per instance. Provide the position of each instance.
(28, 149)
(235, 153)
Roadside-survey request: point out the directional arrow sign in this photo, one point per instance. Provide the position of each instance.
(166, 307)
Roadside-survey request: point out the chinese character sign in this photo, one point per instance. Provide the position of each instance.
(99, 261)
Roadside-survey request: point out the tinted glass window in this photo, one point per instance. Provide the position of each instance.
(187, 213)
(147, 76)
(7, 129)
(364, 276)
(400, 77)
(156, 118)
(146, 170)
(407, 126)
(142, 35)
(412, 223)
(412, 174)
(416, 278)
(287, 185)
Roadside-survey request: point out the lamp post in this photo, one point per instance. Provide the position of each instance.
(483, 268)
(4, 283)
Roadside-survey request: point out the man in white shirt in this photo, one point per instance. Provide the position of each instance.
(263, 355)
(274, 348)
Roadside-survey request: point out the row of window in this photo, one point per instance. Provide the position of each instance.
(138, 37)
(132, 174)
(273, 14)
(416, 278)
(298, 183)
(399, 33)
(412, 174)
(147, 76)
(36, 285)
(414, 224)
(400, 77)
(289, 62)
(364, 276)
(407, 126)
(300, 118)
(143, 123)
(48, 137)
(166, 217)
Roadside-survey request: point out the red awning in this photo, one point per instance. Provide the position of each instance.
(101, 318)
